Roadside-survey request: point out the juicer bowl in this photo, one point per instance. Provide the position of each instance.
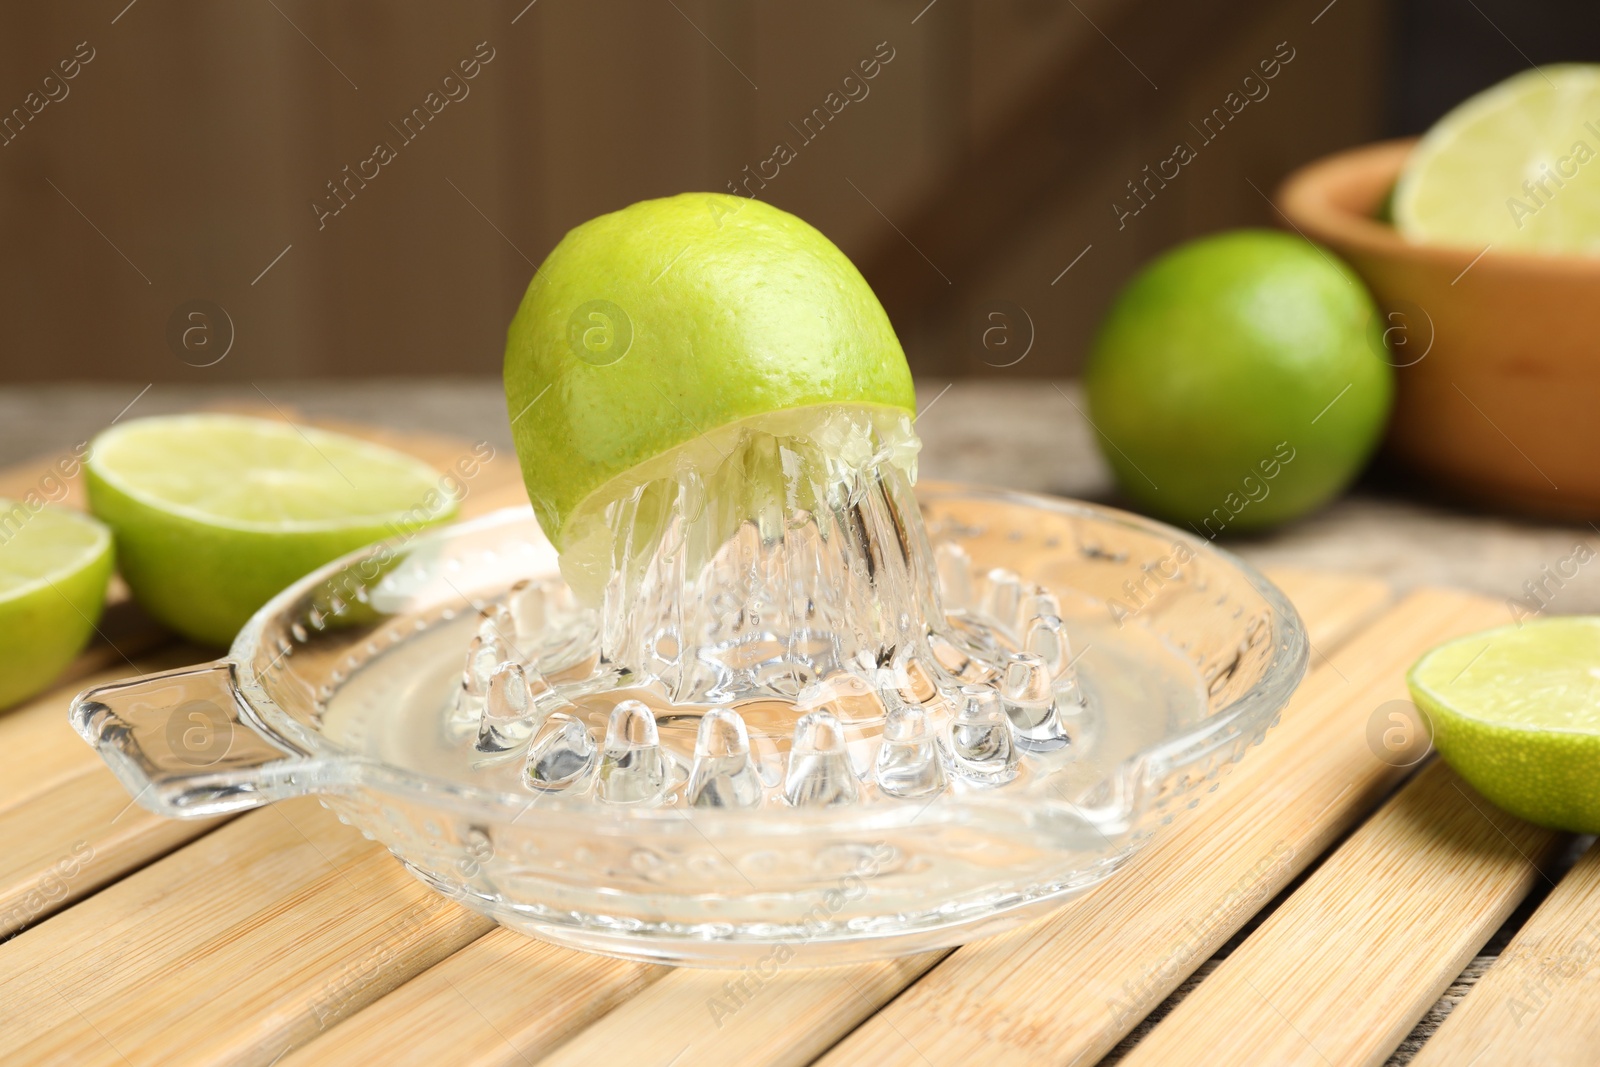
(384, 627)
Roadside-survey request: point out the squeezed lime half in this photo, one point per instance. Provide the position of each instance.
(54, 567)
(657, 325)
(1516, 712)
(214, 514)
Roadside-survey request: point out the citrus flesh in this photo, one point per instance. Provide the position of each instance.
(54, 567)
(214, 514)
(1516, 712)
(658, 325)
(1238, 381)
(731, 483)
(1516, 167)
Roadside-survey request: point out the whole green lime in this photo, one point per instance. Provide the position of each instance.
(1239, 381)
(656, 325)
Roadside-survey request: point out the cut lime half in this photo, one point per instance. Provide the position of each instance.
(1516, 711)
(54, 566)
(1516, 167)
(654, 326)
(214, 514)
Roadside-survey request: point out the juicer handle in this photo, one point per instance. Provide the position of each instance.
(185, 744)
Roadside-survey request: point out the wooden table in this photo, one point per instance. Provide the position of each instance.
(1313, 910)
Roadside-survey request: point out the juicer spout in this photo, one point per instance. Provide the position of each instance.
(185, 745)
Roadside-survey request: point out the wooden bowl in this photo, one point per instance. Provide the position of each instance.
(1497, 355)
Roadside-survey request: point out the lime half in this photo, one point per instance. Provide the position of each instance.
(657, 325)
(54, 566)
(1516, 711)
(1516, 167)
(214, 514)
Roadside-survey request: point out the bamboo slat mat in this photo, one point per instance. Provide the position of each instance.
(1540, 994)
(281, 936)
(1371, 939)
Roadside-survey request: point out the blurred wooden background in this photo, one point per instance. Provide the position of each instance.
(183, 160)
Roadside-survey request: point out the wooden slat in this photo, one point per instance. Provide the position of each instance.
(67, 826)
(72, 839)
(38, 747)
(231, 950)
(1332, 606)
(807, 1009)
(1342, 971)
(1066, 989)
(742, 1017)
(505, 998)
(1539, 1004)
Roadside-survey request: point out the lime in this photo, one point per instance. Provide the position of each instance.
(1237, 381)
(54, 566)
(1516, 712)
(1514, 167)
(654, 326)
(214, 514)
